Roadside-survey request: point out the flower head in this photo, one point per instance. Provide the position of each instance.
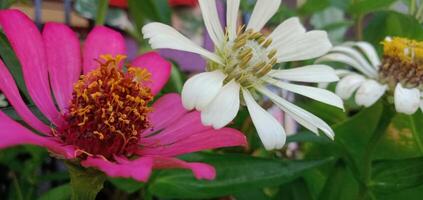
(399, 73)
(105, 118)
(242, 66)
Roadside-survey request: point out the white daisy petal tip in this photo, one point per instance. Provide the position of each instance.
(348, 85)
(224, 107)
(406, 100)
(270, 131)
(369, 93)
(199, 90)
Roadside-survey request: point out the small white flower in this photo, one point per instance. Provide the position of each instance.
(3, 102)
(400, 72)
(241, 67)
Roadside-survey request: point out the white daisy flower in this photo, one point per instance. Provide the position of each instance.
(241, 67)
(399, 73)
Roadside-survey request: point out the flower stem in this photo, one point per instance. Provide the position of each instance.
(85, 182)
(359, 28)
(102, 7)
(387, 114)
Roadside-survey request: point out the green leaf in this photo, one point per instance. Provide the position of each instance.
(390, 23)
(312, 6)
(11, 61)
(176, 81)
(5, 4)
(155, 10)
(355, 134)
(85, 182)
(102, 7)
(128, 185)
(297, 190)
(329, 114)
(395, 175)
(403, 139)
(340, 184)
(367, 6)
(234, 172)
(62, 192)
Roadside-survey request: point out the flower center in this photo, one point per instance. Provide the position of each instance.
(247, 58)
(108, 110)
(402, 63)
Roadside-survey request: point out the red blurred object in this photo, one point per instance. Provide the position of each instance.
(173, 3)
(190, 3)
(119, 3)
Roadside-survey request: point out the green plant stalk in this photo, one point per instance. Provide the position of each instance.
(102, 7)
(387, 114)
(412, 7)
(359, 28)
(85, 182)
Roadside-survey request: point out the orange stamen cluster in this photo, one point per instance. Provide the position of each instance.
(109, 110)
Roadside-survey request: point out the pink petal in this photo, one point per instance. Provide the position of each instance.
(63, 59)
(200, 170)
(9, 89)
(158, 67)
(28, 45)
(184, 127)
(101, 41)
(13, 134)
(209, 139)
(166, 110)
(138, 169)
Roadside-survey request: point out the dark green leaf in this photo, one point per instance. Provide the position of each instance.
(62, 192)
(367, 6)
(4, 4)
(85, 182)
(312, 6)
(11, 61)
(355, 133)
(390, 23)
(329, 114)
(234, 174)
(403, 139)
(128, 185)
(297, 190)
(395, 175)
(340, 184)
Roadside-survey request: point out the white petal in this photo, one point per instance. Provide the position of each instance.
(200, 90)
(286, 31)
(342, 72)
(263, 11)
(342, 58)
(358, 57)
(318, 94)
(309, 74)
(369, 51)
(348, 85)
(303, 117)
(407, 101)
(162, 36)
(369, 92)
(211, 21)
(224, 107)
(306, 46)
(232, 7)
(270, 131)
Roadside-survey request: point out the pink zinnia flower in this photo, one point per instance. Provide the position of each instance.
(103, 117)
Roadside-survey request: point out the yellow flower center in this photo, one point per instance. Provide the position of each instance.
(109, 109)
(247, 58)
(402, 62)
